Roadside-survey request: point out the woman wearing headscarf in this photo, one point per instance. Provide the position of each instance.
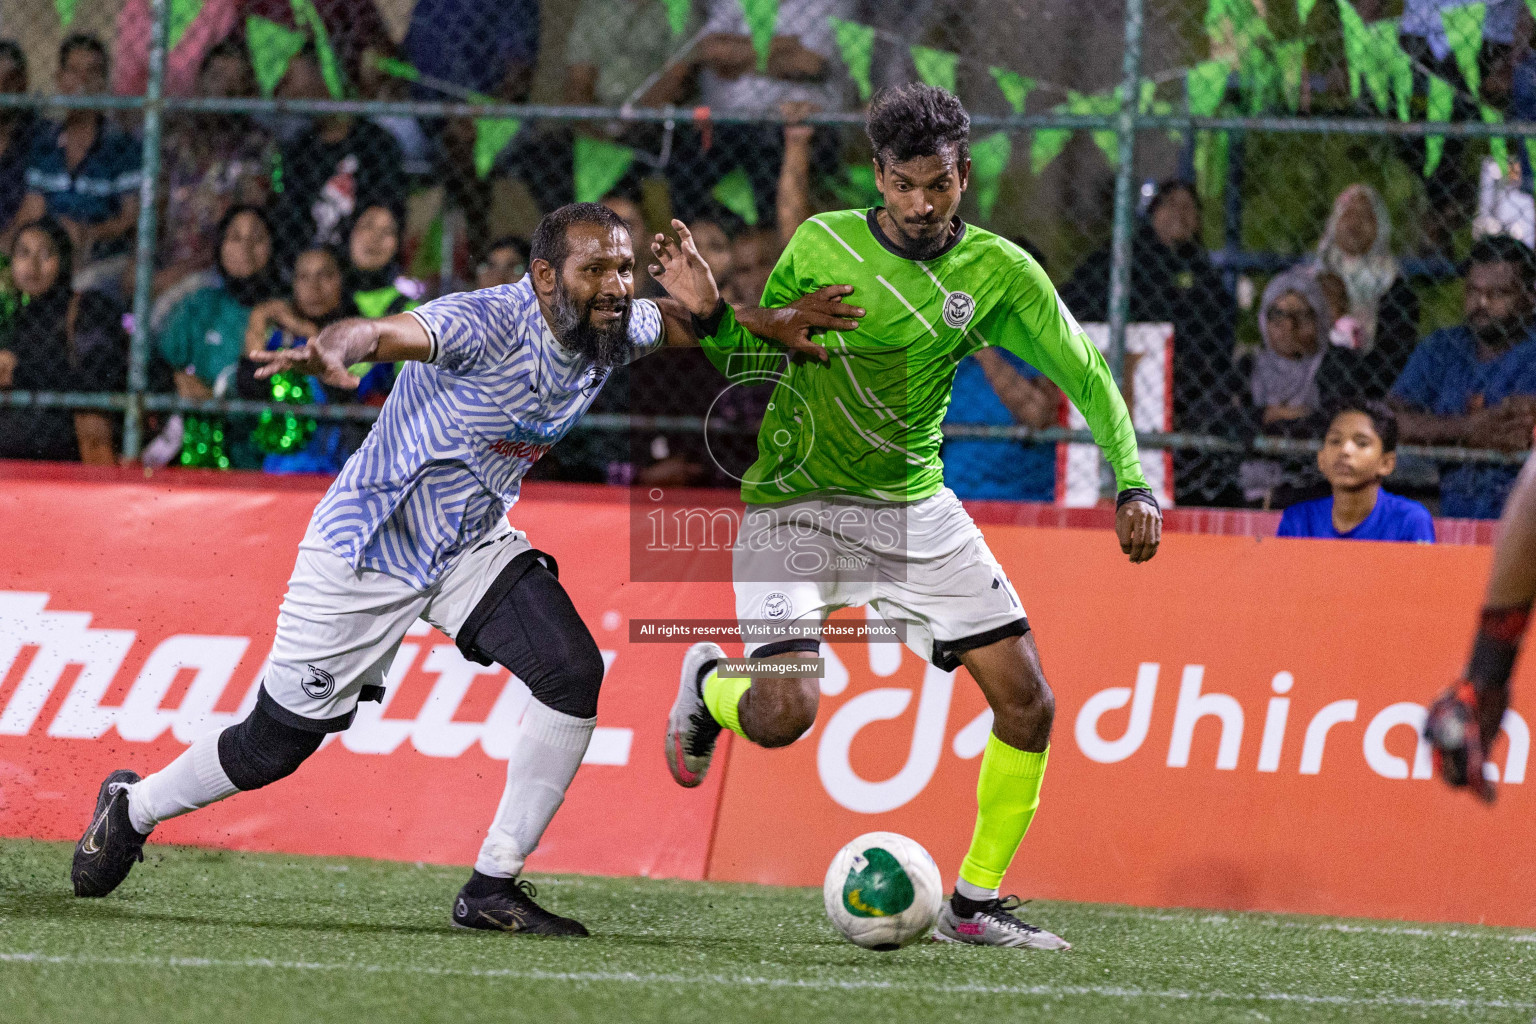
(59, 340)
(1292, 379)
(373, 276)
(1383, 308)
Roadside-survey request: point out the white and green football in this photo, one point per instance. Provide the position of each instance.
(883, 891)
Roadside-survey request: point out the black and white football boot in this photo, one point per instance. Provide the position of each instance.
(991, 923)
(691, 729)
(111, 845)
(506, 905)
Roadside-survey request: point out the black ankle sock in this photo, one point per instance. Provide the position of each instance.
(479, 886)
(704, 670)
(965, 907)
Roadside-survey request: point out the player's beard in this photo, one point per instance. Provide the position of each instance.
(924, 247)
(606, 345)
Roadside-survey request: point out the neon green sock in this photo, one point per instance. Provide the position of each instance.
(1007, 794)
(723, 698)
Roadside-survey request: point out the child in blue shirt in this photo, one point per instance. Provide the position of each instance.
(1359, 452)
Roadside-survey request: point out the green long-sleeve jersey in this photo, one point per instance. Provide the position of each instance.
(867, 424)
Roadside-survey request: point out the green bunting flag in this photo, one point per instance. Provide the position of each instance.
(1376, 62)
(1304, 9)
(856, 188)
(1260, 80)
(989, 159)
(678, 13)
(1291, 58)
(1442, 97)
(1497, 146)
(272, 48)
(183, 14)
(66, 9)
(1356, 44)
(1205, 86)
(491, 137)
(1016, 87)
(1401, 72)
(1101, 105)
(1241, 17)
(856, 43)
(397, 68)
(734, 192)
(305, 15)
(1464, 31)
(936, 67)
(599, 166)
(762, 18)
(1047, 144)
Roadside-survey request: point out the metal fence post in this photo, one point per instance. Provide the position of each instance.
(1125, 190)
(144, 251)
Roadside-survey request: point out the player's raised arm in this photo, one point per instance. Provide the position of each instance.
(688, 280)
(328, 354)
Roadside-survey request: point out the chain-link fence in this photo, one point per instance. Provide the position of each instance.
(1258, 208)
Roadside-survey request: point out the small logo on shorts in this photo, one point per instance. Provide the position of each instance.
(319, 684)
(776, 606)
(958, 309)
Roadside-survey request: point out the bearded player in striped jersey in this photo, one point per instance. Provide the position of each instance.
(846, 503)
(415, 526)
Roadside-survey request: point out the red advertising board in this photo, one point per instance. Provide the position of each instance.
(1236, 721)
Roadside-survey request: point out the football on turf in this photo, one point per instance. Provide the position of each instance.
(883, 891)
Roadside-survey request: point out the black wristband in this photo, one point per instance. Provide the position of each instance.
(706, 327)
(1136, 494)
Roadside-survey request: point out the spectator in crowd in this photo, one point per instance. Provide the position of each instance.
(59, 340)
(418, 150)
(1173, 281)
(18, 130)
(318, 299)
(354, 28)
(1359, 452)
(1383, 309)
(204, 337)
(84, 173)
(1475, 384)
(802, 67)
(997, 388)
(630, 213)
(651, 69)
(185, 62)
(1451, 190)
(341, 164)
(373, 276)
(212, 163)
(1290, 380)
(505, 262)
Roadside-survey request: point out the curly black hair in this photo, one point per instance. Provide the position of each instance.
(917, 120)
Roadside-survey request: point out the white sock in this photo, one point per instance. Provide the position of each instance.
(974, 892)
(545, 755)
(193, 780)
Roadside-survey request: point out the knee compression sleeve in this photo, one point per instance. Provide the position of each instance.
(261, 750)
(526, 623)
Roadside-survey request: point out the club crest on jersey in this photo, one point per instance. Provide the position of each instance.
(776, 606)
(958, 309)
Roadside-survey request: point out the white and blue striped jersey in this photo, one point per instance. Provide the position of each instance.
(446, 457)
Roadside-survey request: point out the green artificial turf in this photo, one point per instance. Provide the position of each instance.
(200, 936)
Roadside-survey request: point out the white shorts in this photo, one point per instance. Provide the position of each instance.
(922, 566)
(338, 628)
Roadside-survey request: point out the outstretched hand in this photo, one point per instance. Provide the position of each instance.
(326, 356)
(791, 325)
(683, 273)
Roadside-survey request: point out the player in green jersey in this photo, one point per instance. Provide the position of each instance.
(846, 504)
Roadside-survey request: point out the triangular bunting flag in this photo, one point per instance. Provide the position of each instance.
(1304, 9)
(397, 68)
(1376, 63)
(856, 43)
(762, 17)
(1292, 60)
(1100, 104)
(678, 13)
(1442, 98)
(734, 192)
(936, 67)
(989, 159)
(1260, 79)
(1047, 144)
(66, 9)
(1464, 31)
(1205, 86)
(183, 14)
(272, 48)
(599, 166)
(1356, 44)
(1497, 146)
(305, 15)
(491, 136)
(1016, 87)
